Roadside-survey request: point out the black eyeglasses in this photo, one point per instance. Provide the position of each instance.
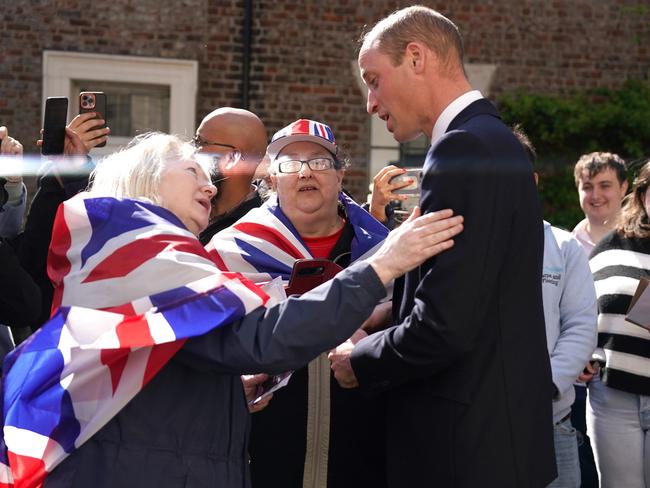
(314, 164)
(198, 142)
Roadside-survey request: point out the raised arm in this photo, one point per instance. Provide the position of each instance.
(292, 333)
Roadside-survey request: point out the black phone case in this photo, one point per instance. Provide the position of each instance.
(100, 108)
(56, 114)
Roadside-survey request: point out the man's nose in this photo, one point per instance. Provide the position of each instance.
(371, 104)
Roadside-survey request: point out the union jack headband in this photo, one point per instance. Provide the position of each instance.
(302, 130)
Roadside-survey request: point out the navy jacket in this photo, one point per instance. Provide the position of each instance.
(466, 368)
(188, 428)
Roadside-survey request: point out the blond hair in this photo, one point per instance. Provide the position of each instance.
(135, 171)
(417, 24)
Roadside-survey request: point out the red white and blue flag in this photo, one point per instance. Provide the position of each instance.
(305, 126)
(264, 244)
(302, 130)
(132, 284)
(322, 130)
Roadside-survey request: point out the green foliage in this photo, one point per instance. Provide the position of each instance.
(563, 128)
(559, 197)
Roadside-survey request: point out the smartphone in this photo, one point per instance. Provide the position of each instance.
(94, 102)
(309, 273)
(595, 363)
(414, 174)
(56, 114)
(271, 385)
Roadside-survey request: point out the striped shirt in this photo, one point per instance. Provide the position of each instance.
(617, 264)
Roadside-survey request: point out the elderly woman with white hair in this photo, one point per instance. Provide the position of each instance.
(129, 244)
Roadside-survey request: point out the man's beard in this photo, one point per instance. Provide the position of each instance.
(217, 178)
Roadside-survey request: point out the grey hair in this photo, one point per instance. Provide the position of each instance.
(135, 171)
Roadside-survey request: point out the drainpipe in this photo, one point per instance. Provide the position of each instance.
(246, 55)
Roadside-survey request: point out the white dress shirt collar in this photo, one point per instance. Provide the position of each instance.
(450, 113)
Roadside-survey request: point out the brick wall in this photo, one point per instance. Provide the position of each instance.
(301, 51)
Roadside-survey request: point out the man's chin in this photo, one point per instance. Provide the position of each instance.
(402, 137)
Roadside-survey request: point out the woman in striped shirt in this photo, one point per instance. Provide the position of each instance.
(618, 413)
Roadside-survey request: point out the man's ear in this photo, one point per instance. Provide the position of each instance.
(273, 178)
(233, 158)
(415, 55)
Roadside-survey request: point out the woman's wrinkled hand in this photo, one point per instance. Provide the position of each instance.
(252, 384)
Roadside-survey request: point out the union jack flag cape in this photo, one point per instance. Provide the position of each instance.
(264, 244)
(132, 284)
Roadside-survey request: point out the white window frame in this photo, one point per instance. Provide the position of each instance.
(61, 68)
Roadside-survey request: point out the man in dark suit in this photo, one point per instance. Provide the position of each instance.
(465, 369)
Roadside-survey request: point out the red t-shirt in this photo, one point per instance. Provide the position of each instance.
(321, 247)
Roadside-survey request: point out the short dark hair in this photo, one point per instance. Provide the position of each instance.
(597, 162)
(525, 141)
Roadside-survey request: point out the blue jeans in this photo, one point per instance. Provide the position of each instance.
(619, 426)
(566, 456)
(588, 471)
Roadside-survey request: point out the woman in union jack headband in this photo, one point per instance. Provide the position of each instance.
(135, 381)
(313, 433)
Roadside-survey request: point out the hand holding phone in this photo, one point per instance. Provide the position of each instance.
(56, 113)
(94, 102)
(309, 273)
(414, 175)
(589, 371)
(271, 385)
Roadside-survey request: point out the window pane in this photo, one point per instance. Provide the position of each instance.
(413, 153)
(132, 108)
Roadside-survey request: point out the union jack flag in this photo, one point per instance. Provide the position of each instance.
(302, 129)
(305, 126)
(128, 276)
(264, 244)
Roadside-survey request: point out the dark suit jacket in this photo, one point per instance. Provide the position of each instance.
(466, 368)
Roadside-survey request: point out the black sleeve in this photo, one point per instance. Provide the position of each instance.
(20, 298)
(292, 333)
(35, 240)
